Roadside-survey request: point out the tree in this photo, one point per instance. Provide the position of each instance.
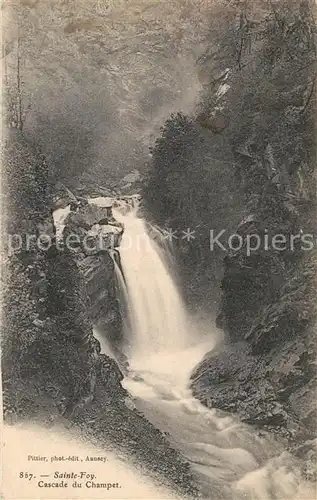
(191, 185)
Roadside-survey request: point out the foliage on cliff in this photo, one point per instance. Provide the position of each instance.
(99, 77)
(190, 185)
(49, 354)
(254, 126)
(25, 193)
(267, 103)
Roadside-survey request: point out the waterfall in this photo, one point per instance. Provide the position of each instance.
(159, 324)
(228, 459)
(122, 293)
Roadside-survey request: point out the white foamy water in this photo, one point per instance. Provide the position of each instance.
(229, 459)
(59, 217)
(152, 306)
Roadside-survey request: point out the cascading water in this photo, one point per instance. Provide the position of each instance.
(230, 460)
(158, 317)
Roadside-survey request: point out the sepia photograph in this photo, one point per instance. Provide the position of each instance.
(158, 250)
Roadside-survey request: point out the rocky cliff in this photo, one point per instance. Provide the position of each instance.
(243, 166)
(266, 371)
(99, 236)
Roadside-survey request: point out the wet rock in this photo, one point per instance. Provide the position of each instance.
(307, 452)
(269, 378)
(103, 237)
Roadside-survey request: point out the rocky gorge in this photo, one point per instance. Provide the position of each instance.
(249, 152)
(241, 158)
(53, 370)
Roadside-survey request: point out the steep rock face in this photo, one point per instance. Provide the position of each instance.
(269, 375)
(98, 271)
(99, 235)
(261, 97)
